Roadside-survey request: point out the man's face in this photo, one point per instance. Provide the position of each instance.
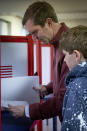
(44, 34)
(70, 59)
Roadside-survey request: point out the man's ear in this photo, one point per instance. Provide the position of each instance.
(49, 21)
(78, 55)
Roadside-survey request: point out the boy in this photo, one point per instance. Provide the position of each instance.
(74, 46)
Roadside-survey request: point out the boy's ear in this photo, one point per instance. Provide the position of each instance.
(49, 21)
(78, 55)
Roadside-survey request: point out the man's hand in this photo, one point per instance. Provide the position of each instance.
(42, 90)
(17, 111)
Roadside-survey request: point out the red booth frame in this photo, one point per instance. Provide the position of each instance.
(30, 51)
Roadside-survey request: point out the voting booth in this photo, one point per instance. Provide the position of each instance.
(20, 59)
(16, 79)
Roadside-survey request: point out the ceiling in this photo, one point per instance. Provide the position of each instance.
(18, 7)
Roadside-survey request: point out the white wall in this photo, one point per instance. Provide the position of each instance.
(73, 19)
(16, 24)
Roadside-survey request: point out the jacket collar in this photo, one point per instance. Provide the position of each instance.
(79, 71)
(56, 39)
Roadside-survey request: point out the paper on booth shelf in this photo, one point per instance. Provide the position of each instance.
(18, 90)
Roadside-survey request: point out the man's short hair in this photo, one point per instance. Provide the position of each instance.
(38, 12)
(75, 39)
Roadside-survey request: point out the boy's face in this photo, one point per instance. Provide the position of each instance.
(44, 34)
(71, 59)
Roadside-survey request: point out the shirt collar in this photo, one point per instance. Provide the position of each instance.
(63, 28)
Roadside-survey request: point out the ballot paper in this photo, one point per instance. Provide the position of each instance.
(18, 91)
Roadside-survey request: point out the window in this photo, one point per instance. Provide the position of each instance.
(5, 27)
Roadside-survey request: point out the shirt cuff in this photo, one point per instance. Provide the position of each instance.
(27, 111)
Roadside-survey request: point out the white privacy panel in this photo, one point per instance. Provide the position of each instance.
(5, 30)
(19, 89)
(46, 65)
(4, 27)
(15, 54)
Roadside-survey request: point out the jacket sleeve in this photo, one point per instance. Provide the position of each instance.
(51, 107)
(47, 109)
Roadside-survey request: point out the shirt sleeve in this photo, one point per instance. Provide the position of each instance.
(27, 111)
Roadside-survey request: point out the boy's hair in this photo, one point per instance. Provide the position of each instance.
(38, 12)
(75, 39)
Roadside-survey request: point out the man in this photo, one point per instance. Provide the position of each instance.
(41, 22)
(74, 46)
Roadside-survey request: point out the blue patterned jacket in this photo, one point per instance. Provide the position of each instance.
(75, 100)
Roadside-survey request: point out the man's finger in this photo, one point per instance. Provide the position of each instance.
(6, 108)
(10, 106)
(15, 115)
(36, 88)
